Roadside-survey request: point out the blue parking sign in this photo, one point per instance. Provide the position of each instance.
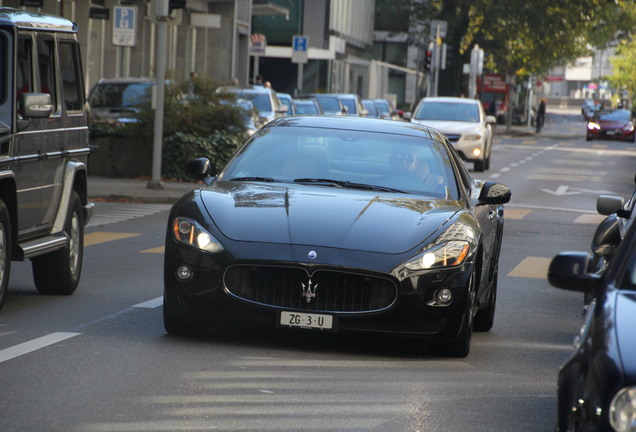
(125, 18)
(300, 46)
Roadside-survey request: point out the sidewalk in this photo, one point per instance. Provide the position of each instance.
(136, 190)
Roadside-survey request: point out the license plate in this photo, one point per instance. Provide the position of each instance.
(306, 320)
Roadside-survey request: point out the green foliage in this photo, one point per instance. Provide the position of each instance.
(108, 129)
(181, 147)
(624, 67)
(197, 122)
(521, 36)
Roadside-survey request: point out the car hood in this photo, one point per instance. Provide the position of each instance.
(612, 123)
(322, 216)
(625, 325)
(450, 127)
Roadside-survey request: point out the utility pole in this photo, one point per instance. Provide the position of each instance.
(162, 15)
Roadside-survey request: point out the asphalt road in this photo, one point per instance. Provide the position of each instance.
(100, 360)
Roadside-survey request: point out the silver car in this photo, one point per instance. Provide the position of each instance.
(464, 123)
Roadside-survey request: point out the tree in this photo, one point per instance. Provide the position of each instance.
(624, 67)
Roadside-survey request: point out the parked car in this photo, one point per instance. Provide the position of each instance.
(597, 384)
(329, 103)
(386, 109)
(353, 104)
(587, 108)
(118, 99)
(611, 124)
(464, 123)
(264, 99)
(338, 224)
(307, 106)
(372, 109)
(287, 99)
(44, 204)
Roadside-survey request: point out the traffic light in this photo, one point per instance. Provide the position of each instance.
(428, 59)
(175, 4)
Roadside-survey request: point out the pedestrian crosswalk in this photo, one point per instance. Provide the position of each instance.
(108, 213)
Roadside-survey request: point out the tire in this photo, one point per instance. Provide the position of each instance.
(66, 263)
(479, 166)
(588, 138)
(179, 326)
(485, 318)
(5, 251)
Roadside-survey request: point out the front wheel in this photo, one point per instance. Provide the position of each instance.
(5, 251)
(59, 272)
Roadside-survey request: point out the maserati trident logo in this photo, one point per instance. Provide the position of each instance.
(309, 291)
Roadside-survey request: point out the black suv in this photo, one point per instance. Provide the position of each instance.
(43, 150)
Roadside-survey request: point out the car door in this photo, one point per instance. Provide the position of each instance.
(27, 140)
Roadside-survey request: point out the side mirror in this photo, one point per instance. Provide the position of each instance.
(491, 119)
(609, 204)
(568, 271)
(36, 105)
(494, 193)
(406, 116)
(199, 169)
(282, 109)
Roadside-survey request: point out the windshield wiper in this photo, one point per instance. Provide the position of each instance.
(346, 184)
(261, 179)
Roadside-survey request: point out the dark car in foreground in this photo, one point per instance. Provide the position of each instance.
(611, 124)
(332, 223)
(597, 384)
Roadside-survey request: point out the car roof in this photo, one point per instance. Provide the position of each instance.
(366, 124)
(35, 21)
(448, 99)
(129, 80)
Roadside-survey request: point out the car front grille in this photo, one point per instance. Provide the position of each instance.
(335, 291)
(453, 137)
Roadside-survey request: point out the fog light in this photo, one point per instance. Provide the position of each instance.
(184, 273)
(444, 295)
(441, 297)
(476, 152)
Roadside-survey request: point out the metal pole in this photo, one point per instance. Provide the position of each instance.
(155, 182)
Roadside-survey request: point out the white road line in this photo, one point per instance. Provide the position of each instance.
(150, 304)
(33, 345)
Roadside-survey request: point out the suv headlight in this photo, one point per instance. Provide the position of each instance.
(447, 254)
(622, 412)
(191, 233)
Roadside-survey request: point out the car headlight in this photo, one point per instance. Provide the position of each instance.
(475, 136)
(622, 412)
(629, 128)
(593, 126)
(447, 254)
(191, 233)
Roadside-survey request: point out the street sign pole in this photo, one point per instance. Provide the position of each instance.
(300, 46)
(162, 37)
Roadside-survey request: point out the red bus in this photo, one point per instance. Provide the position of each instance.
(493, 94)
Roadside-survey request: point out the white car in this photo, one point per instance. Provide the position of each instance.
(464, 123)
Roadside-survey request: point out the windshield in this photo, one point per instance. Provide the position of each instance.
(448, 111)
(615, 115)
(350, 158)
(350, 104)
(329, 104)
(260, 101)
(120, 95)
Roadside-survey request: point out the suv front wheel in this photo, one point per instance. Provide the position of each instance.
(59, 272)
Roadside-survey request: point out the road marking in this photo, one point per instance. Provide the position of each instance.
(532, 267)
(590, 219)
(103, 237)
(150, 304)
(516, 214)
(33, 345)
(107, 213)
(159, 250)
